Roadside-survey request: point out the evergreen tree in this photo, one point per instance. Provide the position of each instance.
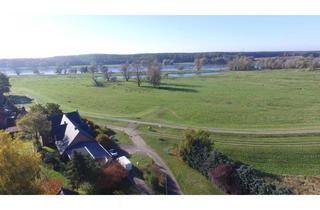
(82, 168)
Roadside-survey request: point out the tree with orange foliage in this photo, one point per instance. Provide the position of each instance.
(111, 177)
(51, 186)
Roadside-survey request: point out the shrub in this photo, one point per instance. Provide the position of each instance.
(225, 177)
(252, 182)
(215, 158)
(51, 186)
(87, 188)
(195, 147)
(81, 169)
(155, 178)
(111, 178)
(102, 138)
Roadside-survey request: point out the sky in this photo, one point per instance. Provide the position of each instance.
(46, 36)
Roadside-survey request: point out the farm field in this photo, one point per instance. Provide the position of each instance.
(254, 100)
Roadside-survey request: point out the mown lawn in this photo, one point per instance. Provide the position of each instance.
(292, 155)
(242, 100)
(122, 138)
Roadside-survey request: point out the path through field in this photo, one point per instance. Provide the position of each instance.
(173, 186)
(271, 132)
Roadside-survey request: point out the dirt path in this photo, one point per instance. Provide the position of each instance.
(269, 132)
(141, 146)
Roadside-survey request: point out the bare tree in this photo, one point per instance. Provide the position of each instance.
(154, 73)
(125, 71)
(17, 71)
(107, 73)
(59, 69)
(93, 69)
(199, 62)
(137, 67)
(241, 64)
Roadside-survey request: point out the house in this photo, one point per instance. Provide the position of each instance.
(70, 133)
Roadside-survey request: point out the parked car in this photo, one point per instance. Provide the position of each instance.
(113, 152)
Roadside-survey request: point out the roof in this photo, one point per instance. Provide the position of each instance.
(93, 149)
(58, 132)
(71, 134)
(55, 119)
(69, 129)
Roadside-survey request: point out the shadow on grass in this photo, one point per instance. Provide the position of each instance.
(180, 85)
(16, 99)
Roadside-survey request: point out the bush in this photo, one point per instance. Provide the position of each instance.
(225, 177)
(215, 158)
(155, 178)
(82, 168)
(252, 182)
(87, 188)
(51, 186)
(195, 147)
(102, 138)
(111, 178)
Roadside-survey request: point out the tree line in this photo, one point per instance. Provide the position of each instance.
(105, 59)
(243, 63)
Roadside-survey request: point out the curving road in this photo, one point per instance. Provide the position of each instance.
(141, 146)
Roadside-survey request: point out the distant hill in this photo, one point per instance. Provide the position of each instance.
(119, 59)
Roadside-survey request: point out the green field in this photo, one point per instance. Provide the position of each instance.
(240, 100)
(292, 155)
(263, 100)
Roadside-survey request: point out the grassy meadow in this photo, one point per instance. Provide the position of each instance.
(257, 100)
(235, 100)
(290, 155)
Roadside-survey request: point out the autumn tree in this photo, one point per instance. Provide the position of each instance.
(111, 177)
(241, 64)
(19, 167)
(51, 186)
(154, 73)
(48, 109)
(35, 123)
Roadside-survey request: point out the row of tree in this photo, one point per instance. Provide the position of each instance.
(293, 62)
(104, 59)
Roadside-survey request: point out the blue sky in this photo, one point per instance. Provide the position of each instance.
(43, 36)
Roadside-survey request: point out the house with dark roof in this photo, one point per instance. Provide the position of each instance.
(70, 133)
